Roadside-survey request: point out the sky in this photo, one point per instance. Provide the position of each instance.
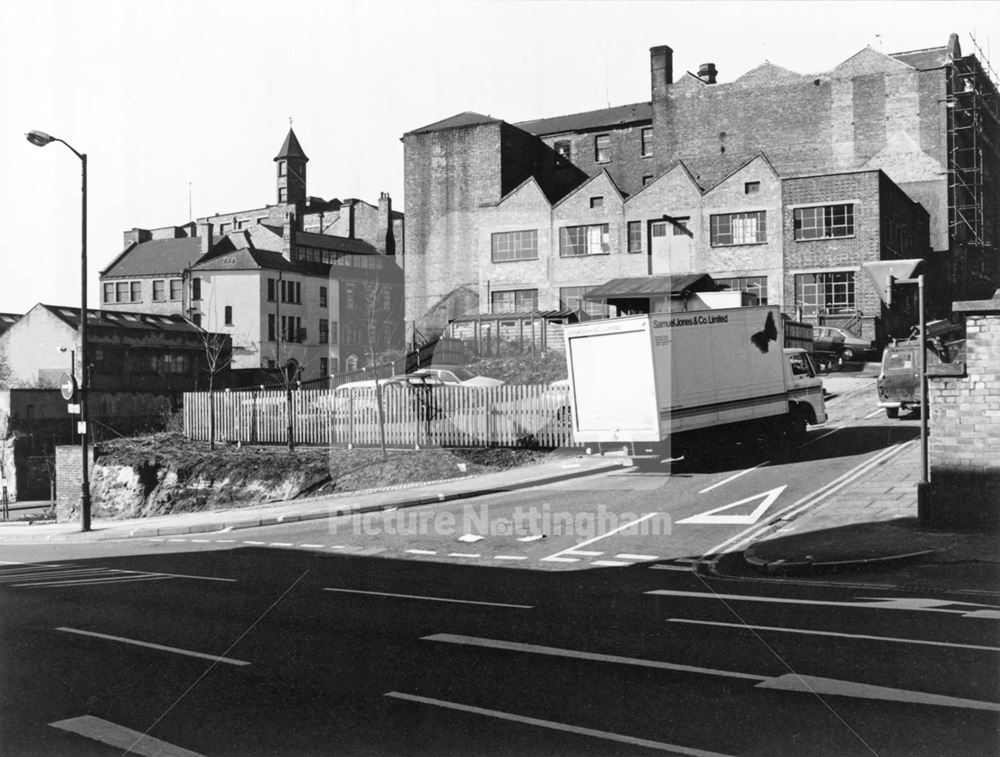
(181, 106)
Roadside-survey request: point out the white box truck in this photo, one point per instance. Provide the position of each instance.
(663, 384)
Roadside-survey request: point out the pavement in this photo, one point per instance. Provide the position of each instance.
(869, 524)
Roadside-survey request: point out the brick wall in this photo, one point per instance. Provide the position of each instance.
(965, 425)
(69, 481)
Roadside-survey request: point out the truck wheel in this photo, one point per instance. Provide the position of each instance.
(795, 429)
(847, 355)
(892, 412)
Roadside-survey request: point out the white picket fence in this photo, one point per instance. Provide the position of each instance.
(509, 415)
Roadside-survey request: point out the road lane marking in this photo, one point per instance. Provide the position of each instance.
(201, 541)
(556, 558)
(509, 557)
(534, 537)
(42, 575)
(431, 599)
(150, 645)
(811, 632)
(873, 413)
(679, 568)
(421, 552)
(767, 498)
(185, 575)
(90, 582)
(787, 682)
(465, 554)
(834, 687)
(225, 541)
(575, 550)
(515, 646)
(280, 544)
(553, 725)
(176, 539)
(255, 543)
(610, 563)
(627, 556)
(734, 543)
(120, 737)
(312, 546)
(733, 477)
(915, 604)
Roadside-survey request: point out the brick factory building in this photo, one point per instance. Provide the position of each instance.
(778, 183)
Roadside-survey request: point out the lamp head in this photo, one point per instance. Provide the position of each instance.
(39, 138)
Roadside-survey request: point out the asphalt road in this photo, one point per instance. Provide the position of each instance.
(332, 638)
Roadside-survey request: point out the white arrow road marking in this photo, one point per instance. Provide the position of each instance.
(833, 687)
(767, 498)
(120, 737)
(786, 682)
(575, 549)
(430, 599)
(552, 725)
(812, 632)
(149, 645)
(915, 604)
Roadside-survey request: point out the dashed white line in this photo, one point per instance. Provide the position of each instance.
(575, 550)
(120, 737)
(202, 541)
(509, 557)
(225, 541)
(678, 568)
(431, 599)
(469, 555)
(149, 645)
(839, 635)
(176, 539)
(534, 537)
(280, 544)
(552, 725)
(312, 546)
(254, 543)
(640, 558)
(733, 477)
(421, 552)
(610, 563)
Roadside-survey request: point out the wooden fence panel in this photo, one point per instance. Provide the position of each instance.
(508, 415)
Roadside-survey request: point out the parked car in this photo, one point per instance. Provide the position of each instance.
(455, 375)
(840, 342)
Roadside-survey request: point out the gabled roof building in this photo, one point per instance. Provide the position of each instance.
(777, 182)
(304, 283)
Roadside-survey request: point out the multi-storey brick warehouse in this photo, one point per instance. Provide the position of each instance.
(901, 114)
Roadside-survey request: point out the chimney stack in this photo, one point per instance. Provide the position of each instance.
(384, 229)
(205, 235)
(661, 69)
(707, 73)
(137, 236)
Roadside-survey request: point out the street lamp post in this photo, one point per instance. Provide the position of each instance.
(40, 139)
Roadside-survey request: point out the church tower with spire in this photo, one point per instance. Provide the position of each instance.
(291, 162)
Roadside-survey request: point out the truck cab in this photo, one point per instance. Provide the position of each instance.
(805, 401)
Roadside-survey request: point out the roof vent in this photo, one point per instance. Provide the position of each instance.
(707, 73)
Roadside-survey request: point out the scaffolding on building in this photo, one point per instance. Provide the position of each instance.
(974, 160)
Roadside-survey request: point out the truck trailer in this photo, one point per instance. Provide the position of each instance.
(676, 384)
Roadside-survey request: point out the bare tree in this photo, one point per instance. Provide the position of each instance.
(381, 329)
(218, 351)
(291, 357)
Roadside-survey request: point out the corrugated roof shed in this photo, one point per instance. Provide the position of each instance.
(652, 286)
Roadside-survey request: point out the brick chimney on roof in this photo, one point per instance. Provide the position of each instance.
(661, 69)
(707, 73)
